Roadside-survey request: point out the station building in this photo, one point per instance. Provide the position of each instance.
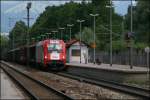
(73, 51)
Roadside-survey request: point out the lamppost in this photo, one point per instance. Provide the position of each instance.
(11, 19)
(54, 32)
(61, 29)
(131, 41)
(94, 15)
(70, 25)
(28, 23)
(33, 40)
(48, 35)
(110, 31)
(147, 50)
(43, 37)
(122, 24)
(80, 21)
(38, 38)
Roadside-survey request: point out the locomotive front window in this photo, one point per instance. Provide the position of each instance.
(54, 47)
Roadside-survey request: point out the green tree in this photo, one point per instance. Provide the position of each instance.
(18, 32)
(118, 45)
(139, 46)
(86, 35)
(141, 21)
(59, 16)
(4, 45)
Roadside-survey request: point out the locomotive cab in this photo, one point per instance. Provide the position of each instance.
(55, 54)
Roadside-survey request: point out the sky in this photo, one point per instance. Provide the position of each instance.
(12, 11)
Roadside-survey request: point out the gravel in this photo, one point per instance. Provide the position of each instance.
(81, 90)
(74, 88)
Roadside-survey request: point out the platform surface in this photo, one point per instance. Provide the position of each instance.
(8, 88)
(116, 67)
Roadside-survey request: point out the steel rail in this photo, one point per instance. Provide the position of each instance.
(20, 84)
(132, 90)
(37, 81)
(32, 96)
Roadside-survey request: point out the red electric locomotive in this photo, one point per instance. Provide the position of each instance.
(51, 54)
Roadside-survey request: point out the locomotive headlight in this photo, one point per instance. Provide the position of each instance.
(63, 57)
(45, 57)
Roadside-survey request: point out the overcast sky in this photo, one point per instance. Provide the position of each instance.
(16, 9)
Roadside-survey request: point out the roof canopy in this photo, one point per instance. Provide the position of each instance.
(71, 42)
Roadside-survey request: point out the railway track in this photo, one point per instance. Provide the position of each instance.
(131, 90)
(134, 91)
(34, 88)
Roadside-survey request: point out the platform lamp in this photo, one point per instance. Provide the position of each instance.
(43, 36)
(70, 25)
(52, 35)
(46, 35)
(54, 32)
(94, 15)
(32, 39)
(61, 29)
(39, 38)
(80, 21)
(110, 30)
(131, 41)
(36, 39)
(28, 19)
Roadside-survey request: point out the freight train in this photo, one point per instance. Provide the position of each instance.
(48, 54)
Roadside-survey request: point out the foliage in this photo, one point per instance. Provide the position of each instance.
(86, 35)
(59, 16)
(140, 46)
(141, 21)
(4, 45)
(18, 33)
(117, 45)
(3, 40)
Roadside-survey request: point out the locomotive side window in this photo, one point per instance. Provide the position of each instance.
(54, 47)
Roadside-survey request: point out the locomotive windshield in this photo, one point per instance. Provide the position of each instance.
(54, 47)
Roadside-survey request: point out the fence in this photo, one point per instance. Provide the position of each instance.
(139, 59)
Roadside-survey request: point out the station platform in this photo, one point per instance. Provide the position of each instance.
(114, 67)
(9, 89)
(118, 73)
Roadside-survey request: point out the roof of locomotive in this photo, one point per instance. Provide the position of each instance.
(34, 44)
(52, 41)
(47, 40)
